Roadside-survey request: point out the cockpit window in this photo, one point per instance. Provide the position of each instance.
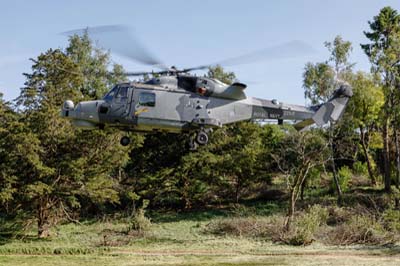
(118, 93)
(147, 99)
(110, 95)
(122, 95)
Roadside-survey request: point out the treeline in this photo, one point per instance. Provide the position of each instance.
(52, 172)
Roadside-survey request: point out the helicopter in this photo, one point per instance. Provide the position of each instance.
(175, 101)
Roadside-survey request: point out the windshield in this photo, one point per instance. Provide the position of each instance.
(109, 96)
(119, 92)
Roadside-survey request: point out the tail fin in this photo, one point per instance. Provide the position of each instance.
(334, 108)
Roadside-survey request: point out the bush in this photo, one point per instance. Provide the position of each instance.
(360, 168)
(339, 215)
(314, 177)
(304, 228)
(361, 229)
(239, 226)
(391, 220)
(139, 223)
(344, 175)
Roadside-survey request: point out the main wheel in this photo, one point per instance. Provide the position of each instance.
(202, 138)
(125, 141)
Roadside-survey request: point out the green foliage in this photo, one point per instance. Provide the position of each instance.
(139, 223)
(340, 52)
(169, 175)
(383, 50)
(366, 102)
(344, 176)
(385, 30)
(61, 169)
(306, 226)
(360, 168)
(391, 220)
(314, 177)
(219, 73)
(318, 82)
(320, 79)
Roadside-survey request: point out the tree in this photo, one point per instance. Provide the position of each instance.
(65, 169)
(319, 82)
(8, 180)
(383, 52)
(218, 72)
(297, 154)
(365, 106)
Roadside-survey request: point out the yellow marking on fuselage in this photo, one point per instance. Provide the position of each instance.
(144, 110)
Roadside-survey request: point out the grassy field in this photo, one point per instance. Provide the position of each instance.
(176, 239)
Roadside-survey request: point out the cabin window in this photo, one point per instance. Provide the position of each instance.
(147, 99)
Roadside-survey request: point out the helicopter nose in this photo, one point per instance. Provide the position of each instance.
(68, 106)
(87, 111)
(83, 115)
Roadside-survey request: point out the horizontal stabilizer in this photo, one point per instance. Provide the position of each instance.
(303, 124)
(334, 108)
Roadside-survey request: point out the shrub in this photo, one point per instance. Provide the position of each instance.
(239, 226)
(344, 175)
(139, 223)
(339, 215)
(391, 220)
(304, 228)
(360, 168)
(314, 177)
(361, 229)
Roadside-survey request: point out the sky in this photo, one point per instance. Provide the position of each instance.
(189, 33)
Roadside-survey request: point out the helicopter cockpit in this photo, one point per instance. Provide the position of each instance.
(119, 94)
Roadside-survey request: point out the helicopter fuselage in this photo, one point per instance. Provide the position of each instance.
(175, 104)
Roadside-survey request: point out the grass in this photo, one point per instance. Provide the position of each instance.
(180, 239)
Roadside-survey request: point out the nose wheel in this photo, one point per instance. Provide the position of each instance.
(125, 141)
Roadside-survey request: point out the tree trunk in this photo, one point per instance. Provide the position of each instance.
(291, 209)
(302, 188)
(386, 157)
(294, 195)
(396, 138)
(367, 158)
(42, 219)
(335, 177)
(237, 189)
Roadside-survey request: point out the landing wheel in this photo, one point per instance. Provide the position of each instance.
(125, 141)
(202, 138)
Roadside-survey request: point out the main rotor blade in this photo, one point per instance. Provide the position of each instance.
(282, 51)
(119, 39)
(143, 73)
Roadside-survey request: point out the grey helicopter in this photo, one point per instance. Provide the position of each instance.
(176, 101)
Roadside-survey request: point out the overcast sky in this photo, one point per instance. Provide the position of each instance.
(189, 33)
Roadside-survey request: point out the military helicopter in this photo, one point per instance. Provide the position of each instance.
(175, 101)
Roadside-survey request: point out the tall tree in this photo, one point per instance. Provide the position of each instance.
(383, 52)
(297, 154)
(66, 168)
(319, 82)
(365, 106)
